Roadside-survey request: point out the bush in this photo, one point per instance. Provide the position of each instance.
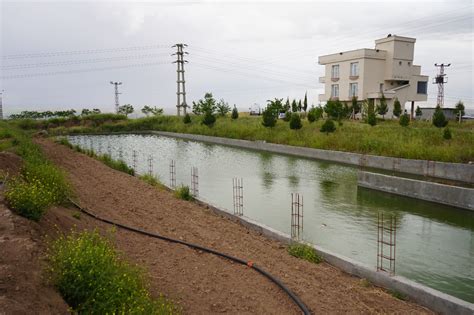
(29, 199)
(235, 113)
(295, 121)
(287, 116)
(404, 120)
(313, 115)
(397, 108)
(269, 118)
(187, 119)
(447, 134)
(182, 192)
(371, 119)
(92, 279)
(305, 252)
(439, 120)
(209, 119)
(328, 126)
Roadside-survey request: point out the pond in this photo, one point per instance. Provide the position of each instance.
(435, 243)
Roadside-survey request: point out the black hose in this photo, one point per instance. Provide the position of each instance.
(250, 264)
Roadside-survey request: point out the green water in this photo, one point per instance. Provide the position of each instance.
(435, 243)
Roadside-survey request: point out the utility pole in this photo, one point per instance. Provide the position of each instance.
(1, 104)
(181, 89)
(117, 104)
(441, 79)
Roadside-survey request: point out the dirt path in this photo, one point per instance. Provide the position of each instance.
(200, 282)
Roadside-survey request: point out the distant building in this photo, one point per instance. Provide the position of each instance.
(367, 73)
(427, 113)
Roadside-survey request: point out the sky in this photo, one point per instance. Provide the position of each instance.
(63, 54)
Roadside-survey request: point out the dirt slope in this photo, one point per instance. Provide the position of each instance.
(200, 282)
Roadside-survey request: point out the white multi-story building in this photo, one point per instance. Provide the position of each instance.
(368, 73)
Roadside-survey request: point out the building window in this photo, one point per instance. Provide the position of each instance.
(422, 87)
(335, 72)
(354, 69)
(353, 89)
(399, 63)
(381, 87)
(335, 90)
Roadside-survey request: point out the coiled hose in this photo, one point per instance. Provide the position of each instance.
(250, 264)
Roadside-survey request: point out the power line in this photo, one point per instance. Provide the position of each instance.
(181, 87)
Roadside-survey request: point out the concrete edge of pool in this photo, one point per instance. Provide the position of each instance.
(426, 296)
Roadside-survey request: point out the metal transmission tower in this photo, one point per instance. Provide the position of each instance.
(117, 104)
(1, 105)
(181, 89)
(441, 79)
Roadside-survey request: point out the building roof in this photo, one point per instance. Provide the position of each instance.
(352, 54)
(391, 37)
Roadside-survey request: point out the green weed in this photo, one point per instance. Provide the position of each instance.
(305, 252)
(398, 295)
(118, 165)
(183, 192)
(91, 277)
(152, 180)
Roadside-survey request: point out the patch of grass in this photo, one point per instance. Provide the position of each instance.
(183, 192)
(76, 215)
(398, 295)
(305, 252)
(365, 283)
(152, 180)
(93, 279)
(421, 141)
(40, 184)
(118, 165)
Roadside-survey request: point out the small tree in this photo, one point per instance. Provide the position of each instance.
(222, 108)
(287, 116)
(126, 109)
(157, 111)
(96, 111)
(418, 112)
(305, 102)
(404, 120)
(313, 114)
(382, 107)
(447, 134)
(294, 106)
(355, 106)
(300, 106)
(146, 110)
(295, 121)
(287, 105)
(328, 126)
(269, 117)
(208, 119)
(235, 113)
(85, 112)
(371, 119)
(334, 109)
(187, 119)
(459, 110)
(397, 108)
(439, 120)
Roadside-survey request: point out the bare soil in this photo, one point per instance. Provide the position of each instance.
(202, 283)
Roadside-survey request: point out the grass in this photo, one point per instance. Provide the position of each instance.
(398, 295)
(40, 184)
(305, 252)
(93, 279)
(420, 140)
(152, 180)
(182, 192)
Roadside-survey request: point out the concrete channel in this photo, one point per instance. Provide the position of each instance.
(460, 197)
(433, 299)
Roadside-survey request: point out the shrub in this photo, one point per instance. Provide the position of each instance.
(92, 279)
(235, 113)
(447, 134)
(209, 119)
(287, 116)
(182, 192)
(371, 119)
(295, 121)
(314, 114)
(418, 112)
(269, 117)
(187, 119)
(328, 126)
(305, 252)
(439, 120)
(404, 120)
(29, 199)
(397, 108)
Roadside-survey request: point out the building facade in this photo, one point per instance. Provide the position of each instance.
(368, 74)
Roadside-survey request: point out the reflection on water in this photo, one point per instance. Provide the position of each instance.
(435, 243)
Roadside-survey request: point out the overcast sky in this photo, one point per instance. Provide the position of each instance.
(63, 54)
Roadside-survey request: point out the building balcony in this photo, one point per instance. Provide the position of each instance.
(322, 79)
